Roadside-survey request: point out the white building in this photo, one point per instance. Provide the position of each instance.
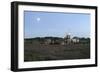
(75, 40)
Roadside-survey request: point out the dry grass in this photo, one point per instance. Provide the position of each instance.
(42, 52)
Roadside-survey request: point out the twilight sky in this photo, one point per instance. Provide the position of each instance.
(42, 24)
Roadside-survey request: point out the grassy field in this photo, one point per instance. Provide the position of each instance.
(42, 52)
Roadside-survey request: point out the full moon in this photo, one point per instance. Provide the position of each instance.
(38, 19)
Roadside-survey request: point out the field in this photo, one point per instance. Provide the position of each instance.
(43, 52)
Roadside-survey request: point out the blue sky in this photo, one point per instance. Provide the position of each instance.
(41, 24)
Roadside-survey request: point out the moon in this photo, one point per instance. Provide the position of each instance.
(38, 19)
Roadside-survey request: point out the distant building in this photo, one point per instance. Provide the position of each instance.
(75, 40)
(63, 41)
(67, 39)
(48, 41)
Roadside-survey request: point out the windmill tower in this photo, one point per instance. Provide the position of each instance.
(67, 38)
